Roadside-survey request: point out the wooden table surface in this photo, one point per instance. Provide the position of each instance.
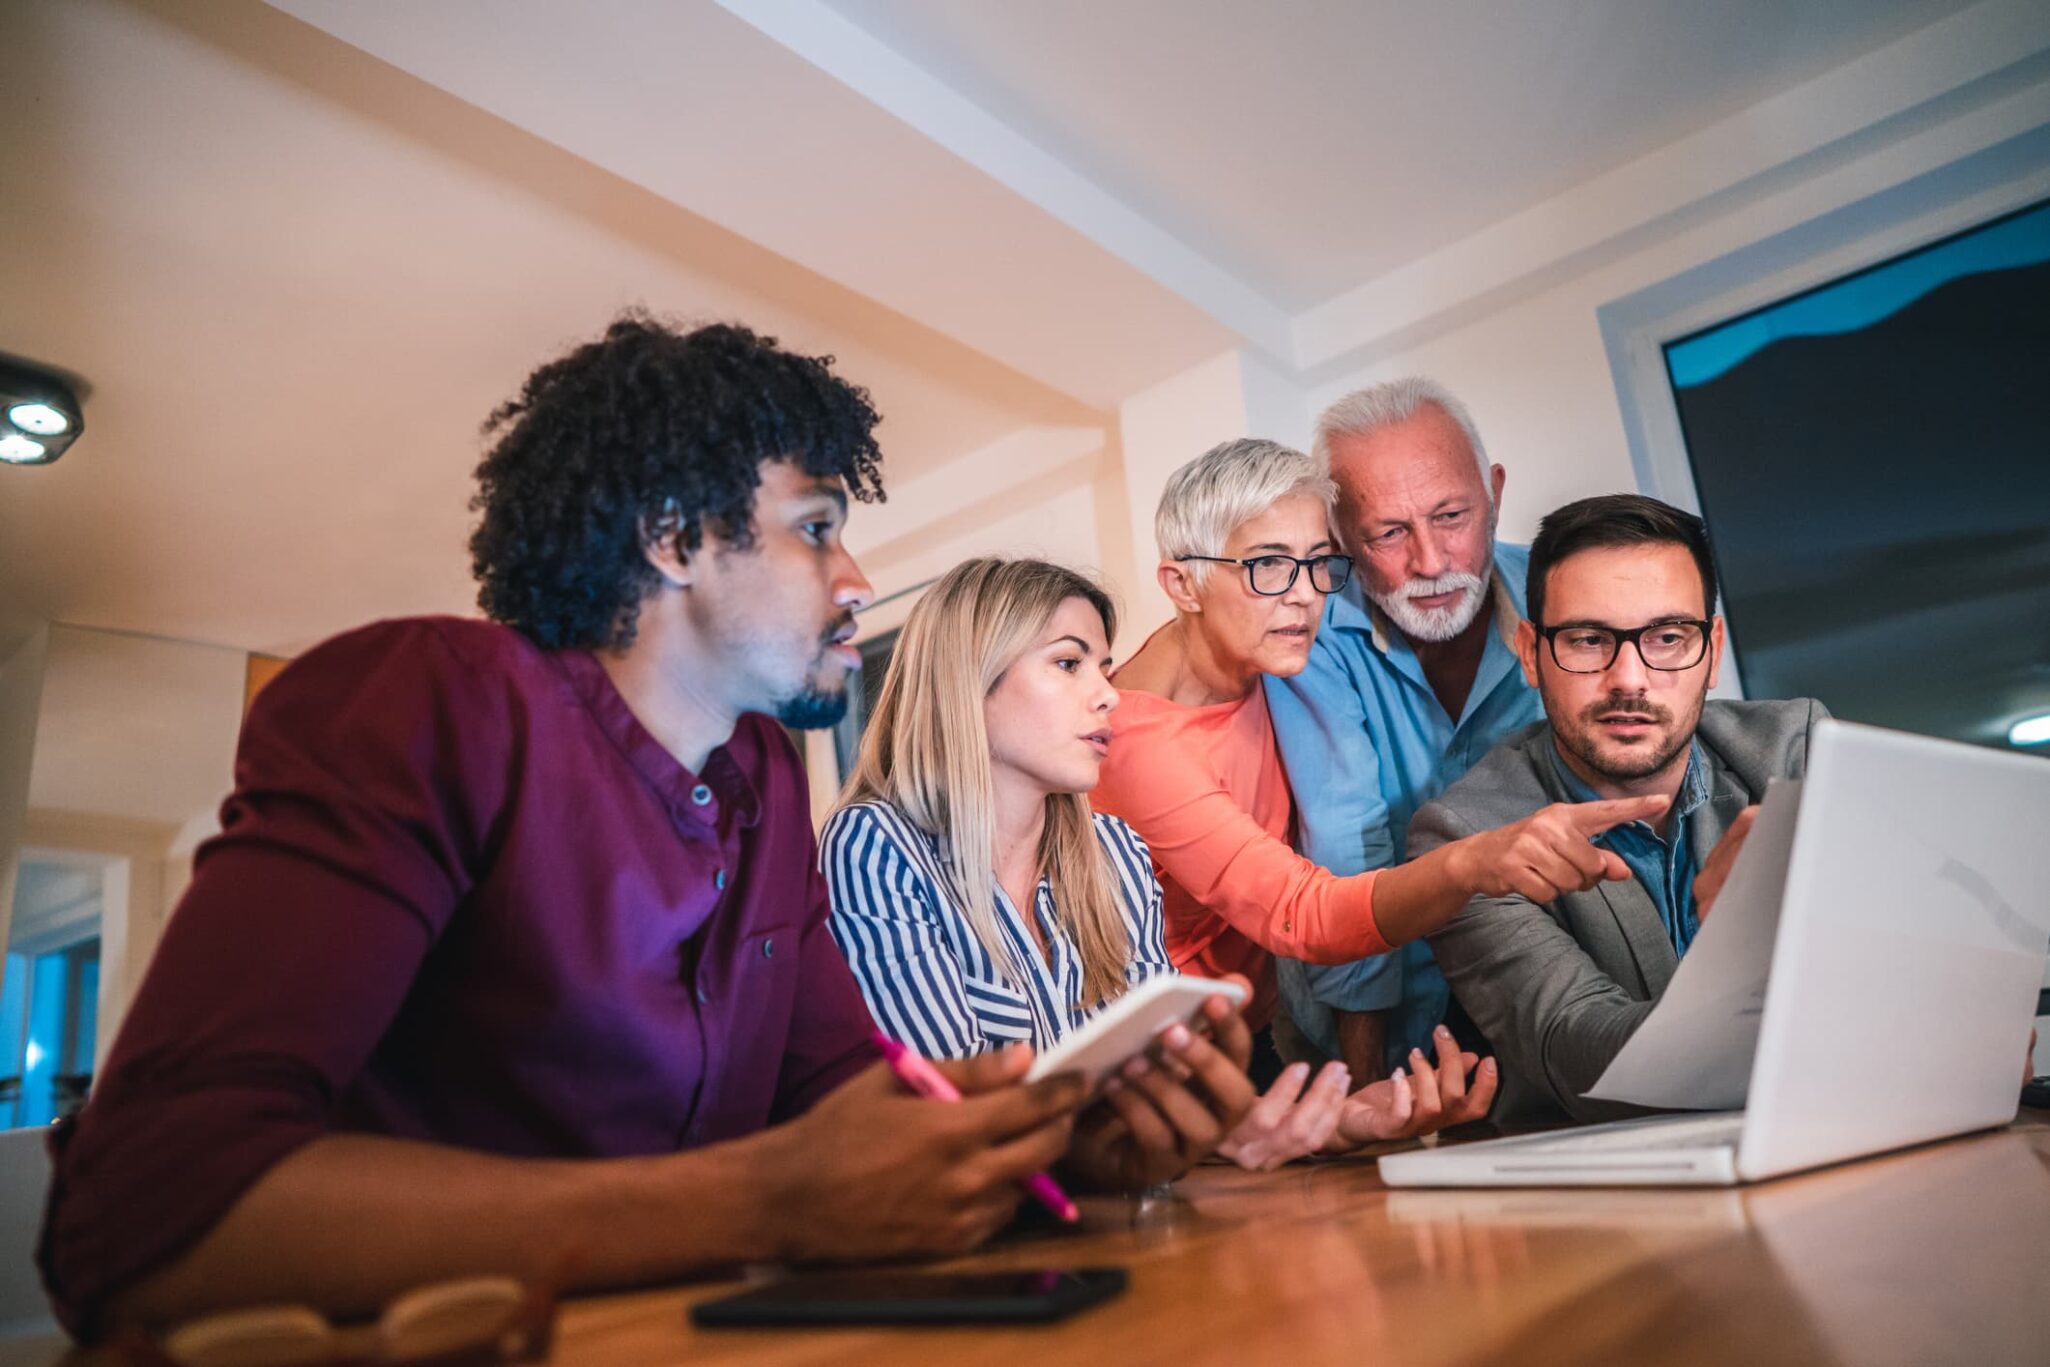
(1937, 1255)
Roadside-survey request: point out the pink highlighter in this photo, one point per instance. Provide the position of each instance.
(924, 1079)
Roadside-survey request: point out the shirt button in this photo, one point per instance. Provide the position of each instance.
(719, 879)
(701, 795)
(768, 949)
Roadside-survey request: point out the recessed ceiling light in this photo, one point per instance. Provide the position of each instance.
(16, 449)
(38, 419)
(2030, 730)
(40, 413)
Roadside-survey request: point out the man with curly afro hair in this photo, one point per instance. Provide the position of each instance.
(511, 955)
(616, 462)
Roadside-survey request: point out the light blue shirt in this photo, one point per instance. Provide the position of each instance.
(929, 981)
(1366, 743)
(1664, 865)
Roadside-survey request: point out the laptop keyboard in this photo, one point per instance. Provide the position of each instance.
(1638, 1135)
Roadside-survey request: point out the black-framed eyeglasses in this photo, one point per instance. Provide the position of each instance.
(1668, 646)
(1274, 575)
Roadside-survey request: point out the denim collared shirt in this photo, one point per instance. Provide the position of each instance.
(1366, 743)
(1665, 866)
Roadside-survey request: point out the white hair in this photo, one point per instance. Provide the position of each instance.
(1206, 500)
(1383, 405)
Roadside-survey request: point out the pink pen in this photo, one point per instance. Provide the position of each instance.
(924, 1079)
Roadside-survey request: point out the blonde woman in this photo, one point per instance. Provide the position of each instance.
(978, 899)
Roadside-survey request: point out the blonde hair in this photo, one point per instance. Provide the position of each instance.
(926, 753)
(1206, 500)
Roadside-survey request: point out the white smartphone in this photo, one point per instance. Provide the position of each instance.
(1129, 1025)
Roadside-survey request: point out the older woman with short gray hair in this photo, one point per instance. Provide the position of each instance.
(1247, 557)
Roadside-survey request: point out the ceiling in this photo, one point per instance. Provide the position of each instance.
(301, 249)
(298, 281)
(1310, 145)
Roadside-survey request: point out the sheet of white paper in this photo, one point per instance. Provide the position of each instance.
(1694, 1050)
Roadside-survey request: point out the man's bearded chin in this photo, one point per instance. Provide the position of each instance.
(1435, 624)
(816, 706)
(1582, 738)
(813, 708)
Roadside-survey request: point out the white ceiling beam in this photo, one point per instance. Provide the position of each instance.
(836, 45)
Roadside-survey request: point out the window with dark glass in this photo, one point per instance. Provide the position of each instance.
(1873, 460)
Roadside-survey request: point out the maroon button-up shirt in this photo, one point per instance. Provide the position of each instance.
(462, 896)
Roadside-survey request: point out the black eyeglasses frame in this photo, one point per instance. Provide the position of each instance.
(1296, 566)
(1632, 638)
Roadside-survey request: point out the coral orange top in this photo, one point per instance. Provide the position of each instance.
(1205, 789)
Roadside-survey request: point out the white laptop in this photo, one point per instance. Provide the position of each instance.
(1909, 948)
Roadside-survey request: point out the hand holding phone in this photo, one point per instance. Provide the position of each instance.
(1127, 1028)
(1158, 1117)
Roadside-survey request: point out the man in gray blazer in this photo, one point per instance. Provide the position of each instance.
(1622, 646)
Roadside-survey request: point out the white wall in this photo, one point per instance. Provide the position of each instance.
(1160, 429)
(137, 727)
(1236, 393)
(133, 749)
(1052, 514)
(22, 654)
(1055, 493)
(1536, 377)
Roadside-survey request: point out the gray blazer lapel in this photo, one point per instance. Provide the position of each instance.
(1637, 920)
(1726, 799)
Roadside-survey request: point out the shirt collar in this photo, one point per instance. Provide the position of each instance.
(1693, 783)
(695, 798)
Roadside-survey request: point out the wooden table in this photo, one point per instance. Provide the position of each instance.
(1938, 1255)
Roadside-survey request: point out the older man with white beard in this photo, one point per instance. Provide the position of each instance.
(1413, 678)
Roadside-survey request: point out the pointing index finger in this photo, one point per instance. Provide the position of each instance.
(1595, 817)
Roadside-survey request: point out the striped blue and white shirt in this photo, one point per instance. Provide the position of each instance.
(930, 983)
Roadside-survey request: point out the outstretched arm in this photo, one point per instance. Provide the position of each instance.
(1213, 849)
(1546, 854)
